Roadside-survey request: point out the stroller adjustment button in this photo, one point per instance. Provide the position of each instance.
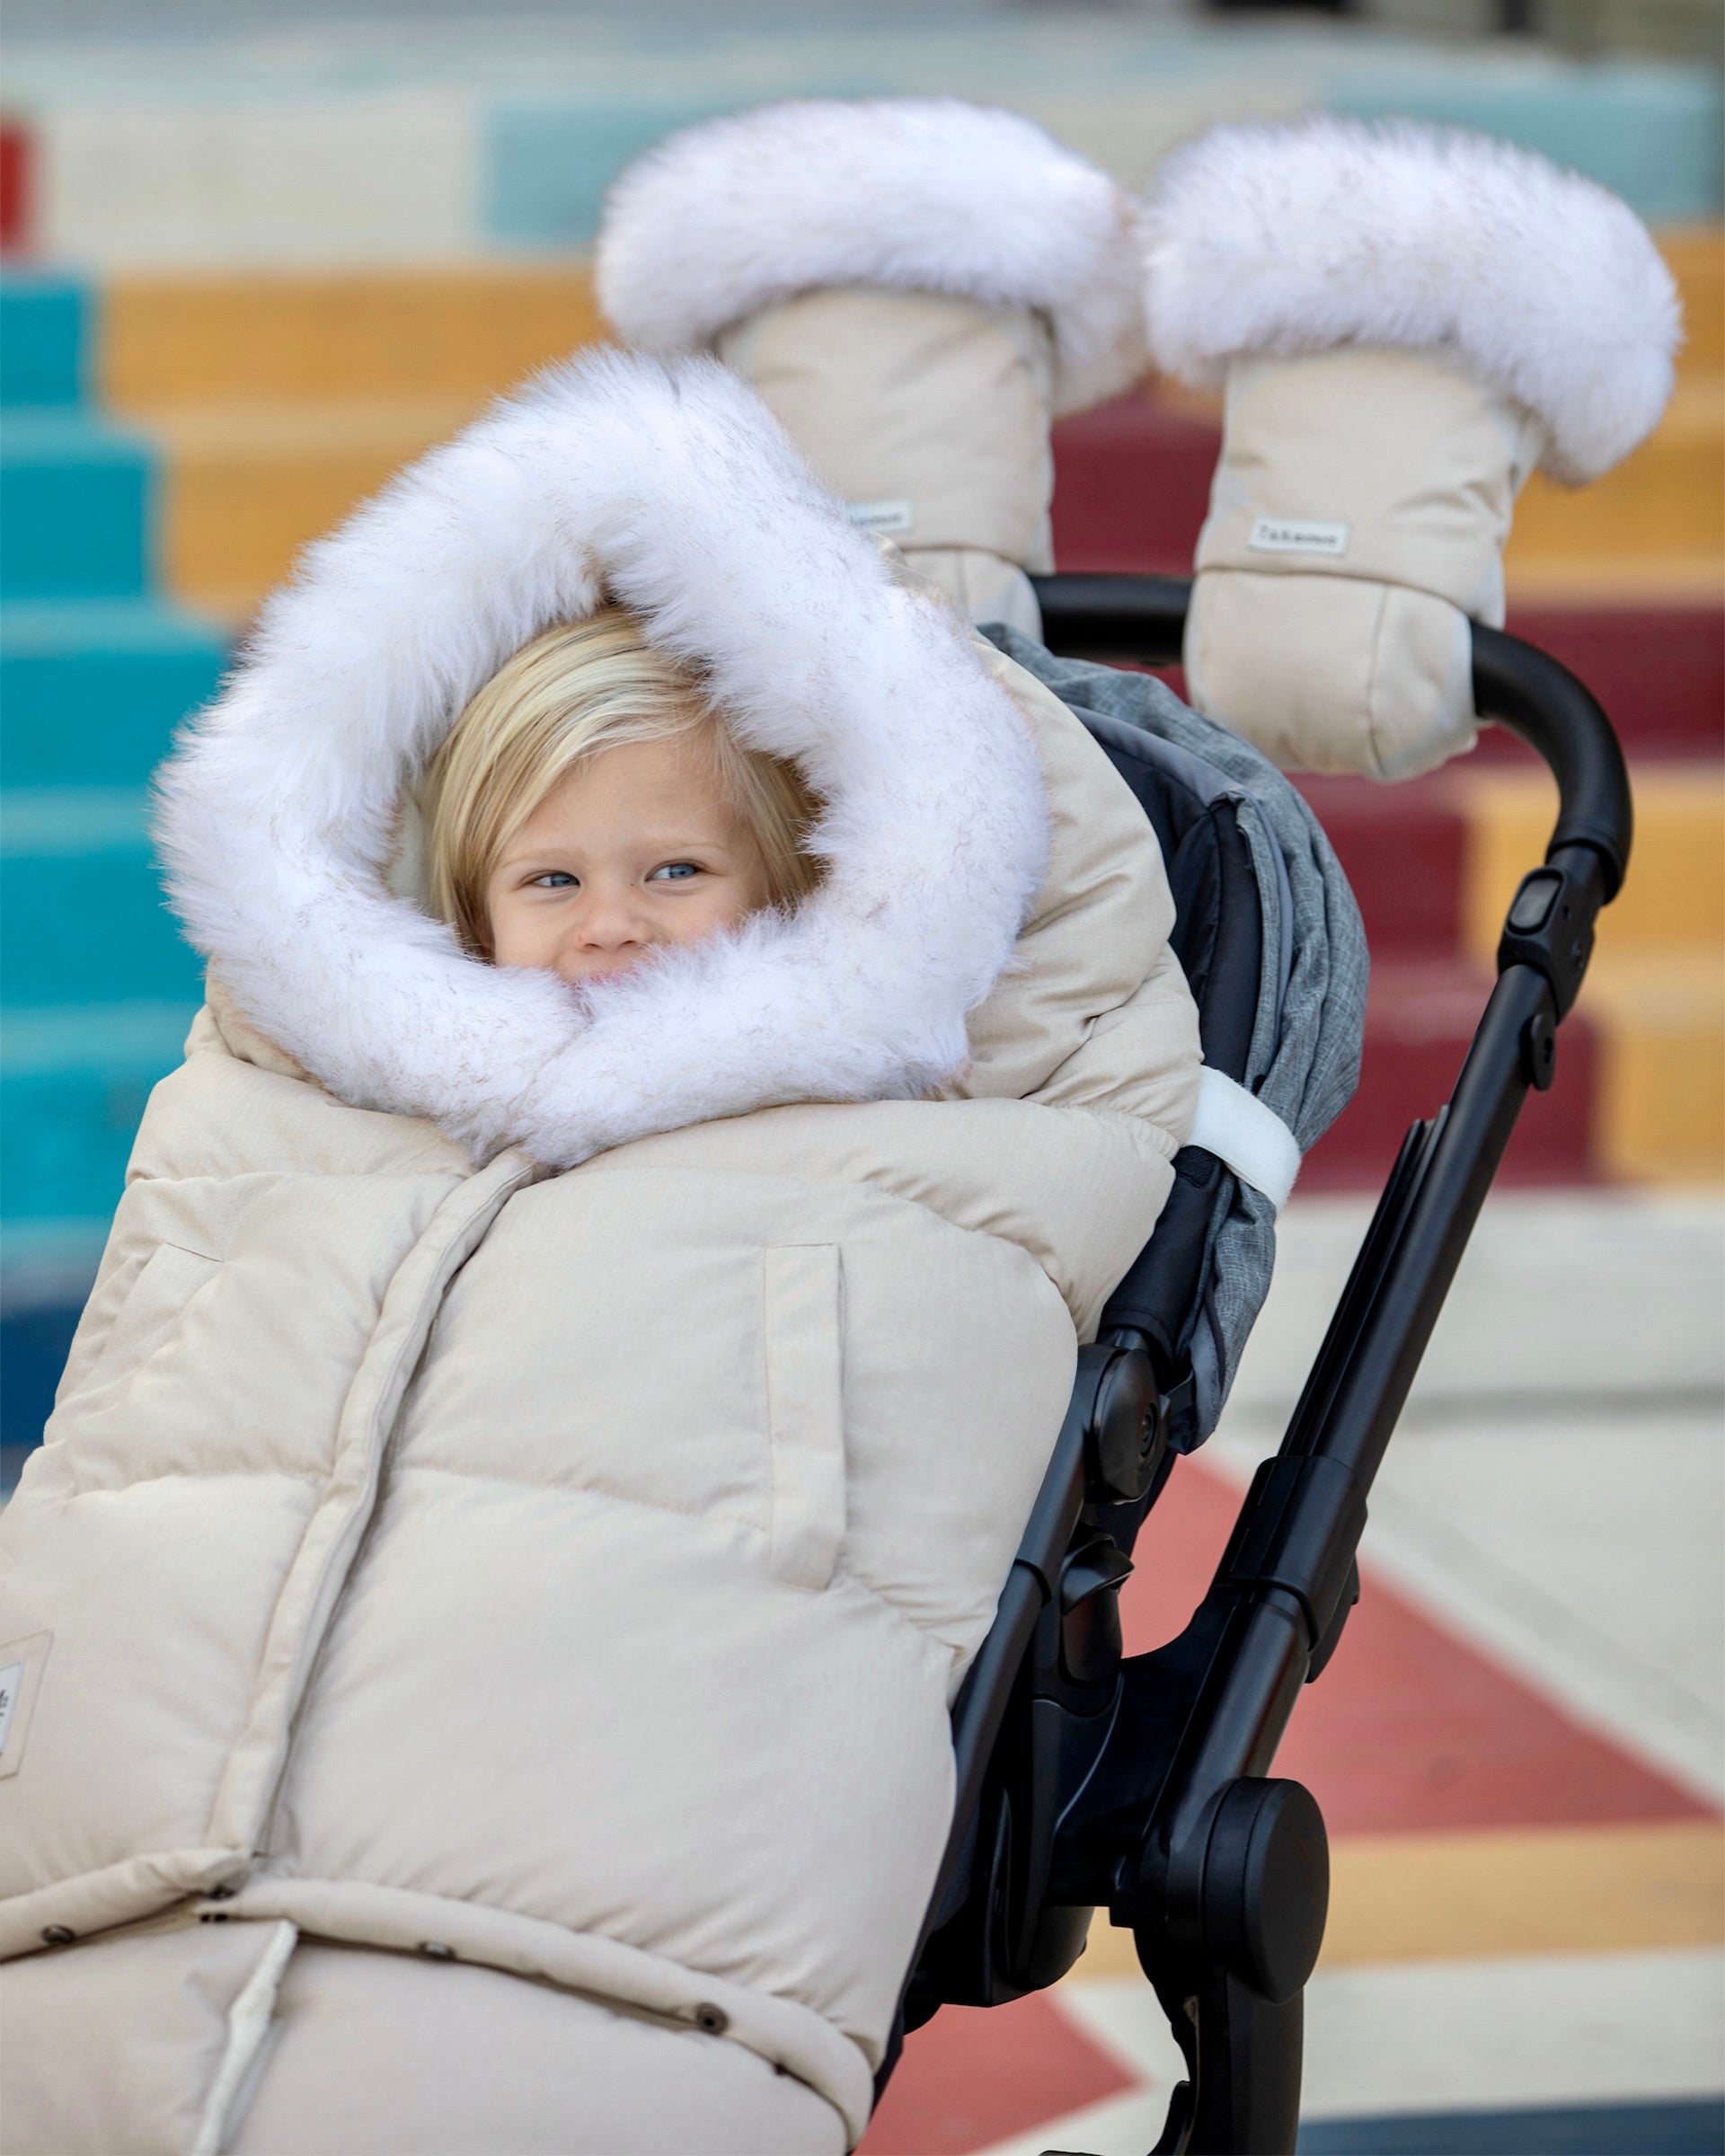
(1534, 901)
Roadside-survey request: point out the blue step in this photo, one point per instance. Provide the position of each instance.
(1649, 131)
(1662, 2127)
(77, 507)
(33, 1344)
(549, 160)
(44, 337)
(91, 690)
(46, 1269)
(74, 1082)
(82, 916)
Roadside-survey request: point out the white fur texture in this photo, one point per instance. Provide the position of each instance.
(669, 487)
(922, 194)
(1299, 237)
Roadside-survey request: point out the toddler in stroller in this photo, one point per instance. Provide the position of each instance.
(514, 1525)
(548, 1438)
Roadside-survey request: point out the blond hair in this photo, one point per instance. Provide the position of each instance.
(571, 693)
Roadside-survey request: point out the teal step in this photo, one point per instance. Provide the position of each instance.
(77, 507)
(81, 915)
(1648, 131)
(549, 161)
(44, 336)
(74, 1082)
(91, 690)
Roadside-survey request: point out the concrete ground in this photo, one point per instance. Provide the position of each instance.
(1521, 1745)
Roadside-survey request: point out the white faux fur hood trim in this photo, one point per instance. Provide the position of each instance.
(1299, 237)
(670, 488)
(920, 194)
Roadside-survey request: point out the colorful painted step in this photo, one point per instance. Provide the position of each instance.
(278, 400)
(82, 918)
(1659, 670)
(1655, 992)
(76, 507)
(1420, 1014)
(474, 138)
(74, 1080)
(1642, 1065)
(1435, 862)
(459, 333)
(92, 690)
(1662, 510)
(245, 487)
(43, 338)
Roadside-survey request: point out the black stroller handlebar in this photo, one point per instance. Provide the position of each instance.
(1528, 691)
(1141, 619)
(1176, 1826)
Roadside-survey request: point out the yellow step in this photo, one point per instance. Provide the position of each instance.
(1674, 898)
(1668, 499)
(179, 338)
(245, 486)
(1655, 527)
(1659, 1112)
(1696, 255)
(339, 336)
(1655, 992)
(1469, 1897)
(285, 398)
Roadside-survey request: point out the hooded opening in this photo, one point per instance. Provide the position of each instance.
(666, 487)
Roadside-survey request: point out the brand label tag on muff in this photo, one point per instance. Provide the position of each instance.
(888, 517)
(20, 1679)
(12, 1684)
(1299, 535)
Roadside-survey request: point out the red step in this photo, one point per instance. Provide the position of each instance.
(14, 186)
(1421, 1013)
(1132, 483)
(1659, 671)
(975, 2075)
(1404, 851)
(1409, 1730)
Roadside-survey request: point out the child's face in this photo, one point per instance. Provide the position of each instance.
(639, 845)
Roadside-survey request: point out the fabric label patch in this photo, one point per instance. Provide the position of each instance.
(1299, 535)
(885, 516)
(12, 1685)
(20, 1679)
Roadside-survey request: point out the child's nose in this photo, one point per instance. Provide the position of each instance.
(612, 920)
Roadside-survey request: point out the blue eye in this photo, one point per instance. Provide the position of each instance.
(675, 872)
(554, 880)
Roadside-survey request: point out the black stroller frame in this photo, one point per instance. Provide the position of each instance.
(1089, 1779)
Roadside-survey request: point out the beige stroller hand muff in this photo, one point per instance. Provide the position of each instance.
(915, 286)
(1405, 321)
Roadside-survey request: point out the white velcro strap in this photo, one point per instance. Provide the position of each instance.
(1252, 1139)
